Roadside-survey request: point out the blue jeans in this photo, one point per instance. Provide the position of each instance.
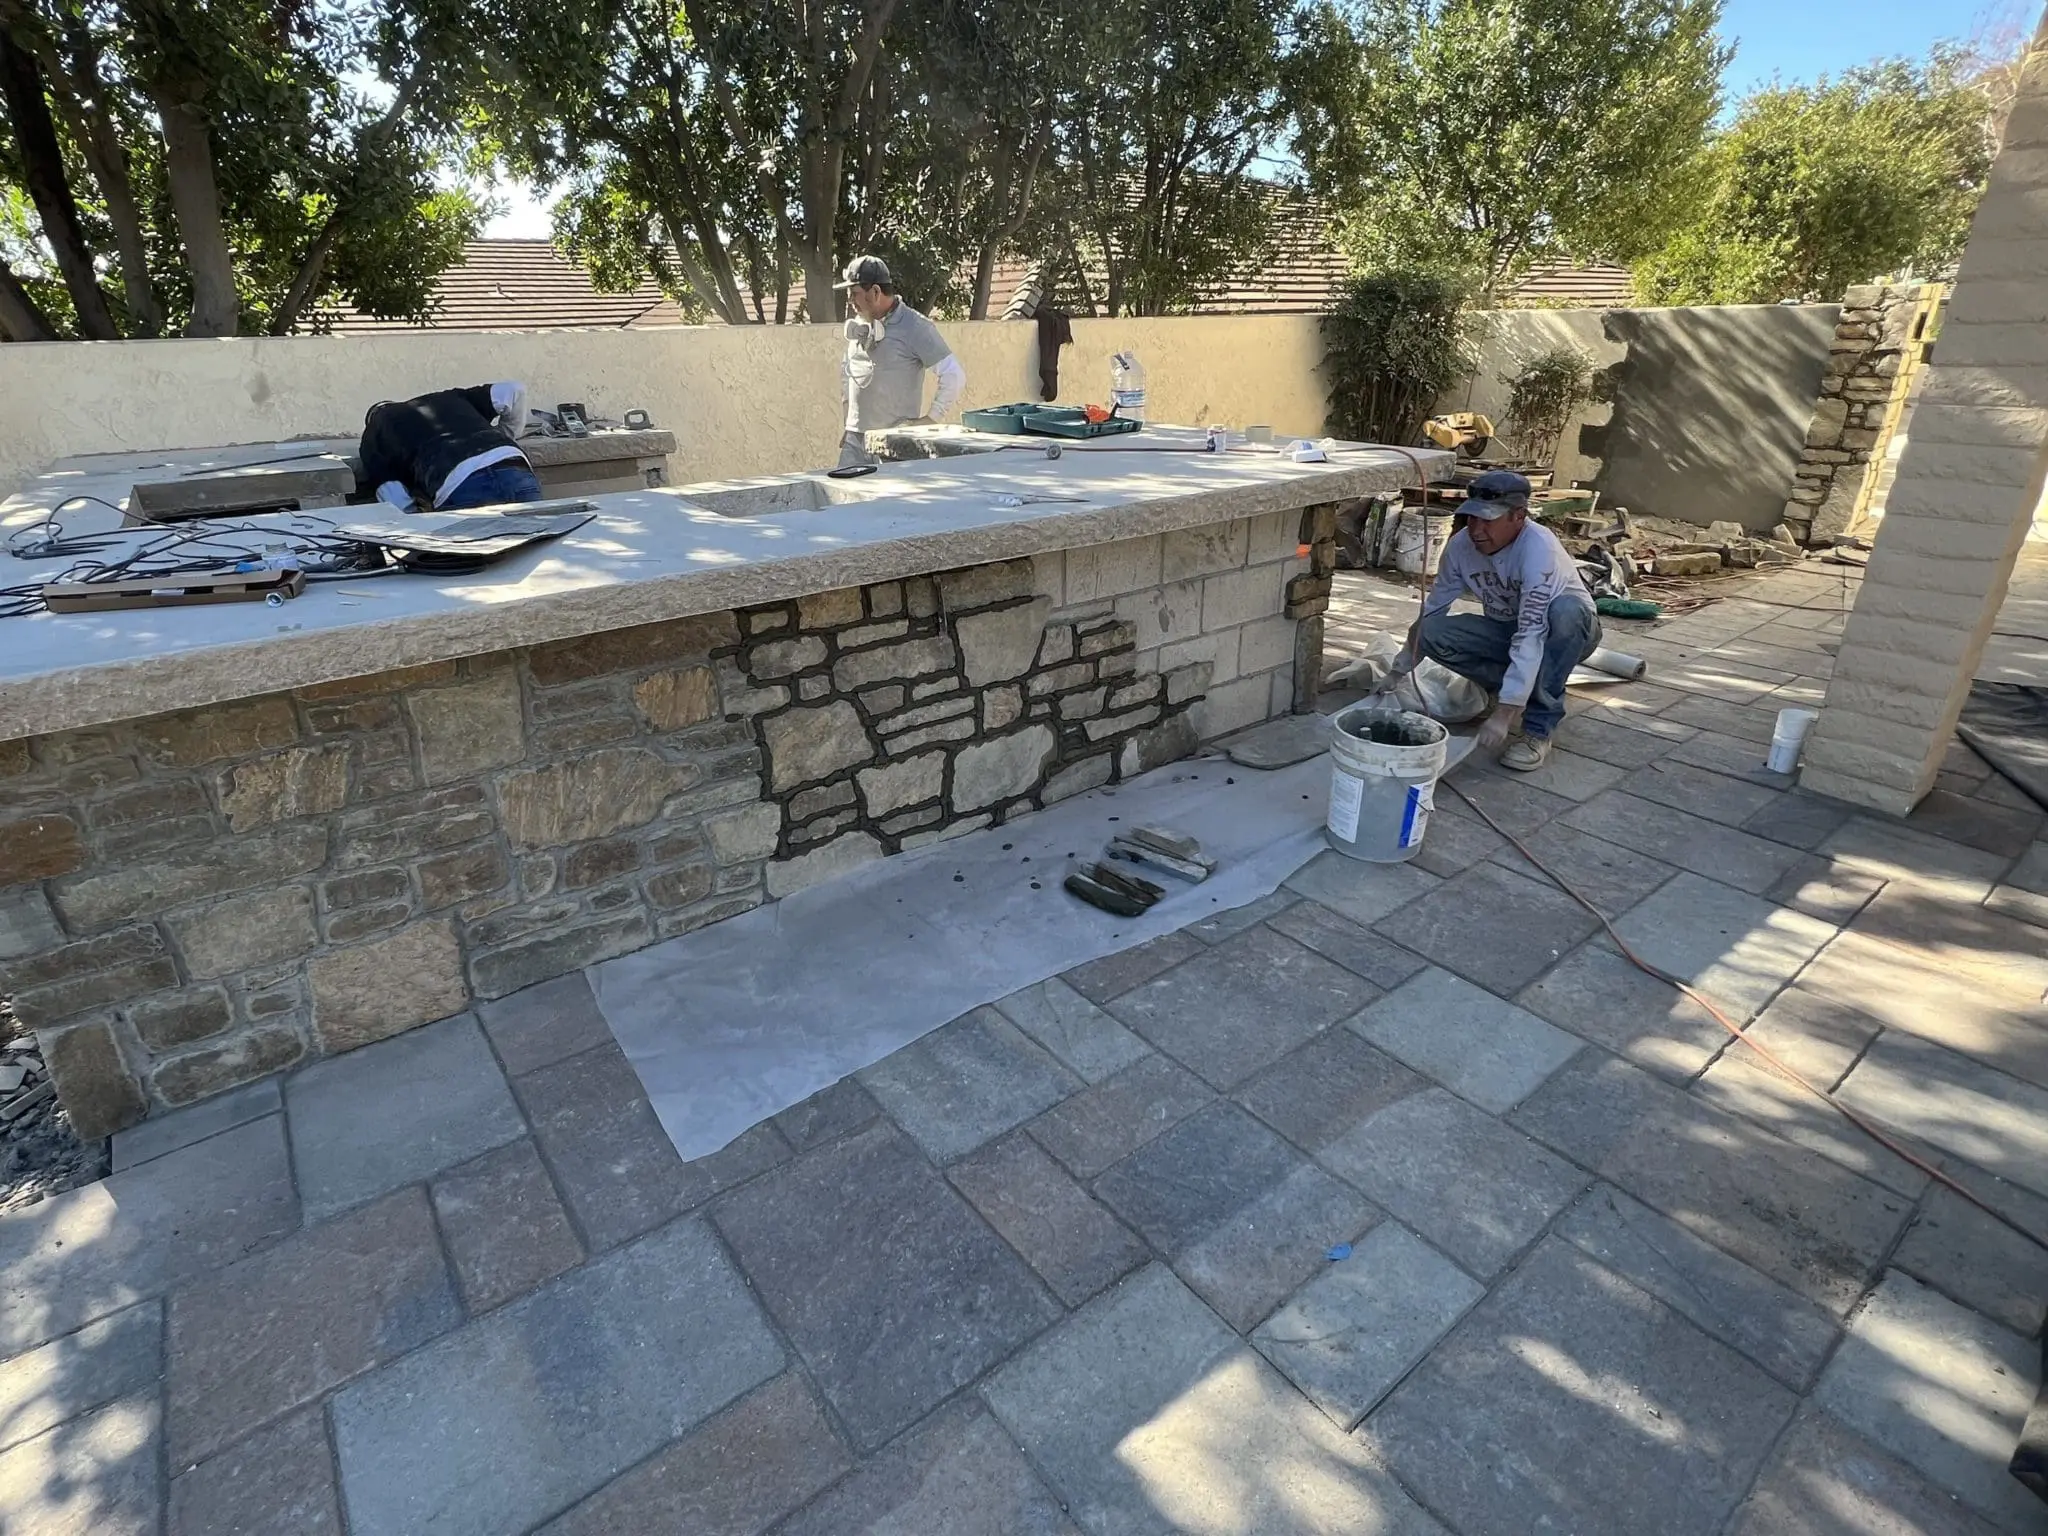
(492, 484)
(1475, 646)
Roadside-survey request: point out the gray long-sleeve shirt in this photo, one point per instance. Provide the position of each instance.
(1516, 586)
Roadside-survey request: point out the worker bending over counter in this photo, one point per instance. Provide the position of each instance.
(1539, 620)
(889, 346)
(453, 448)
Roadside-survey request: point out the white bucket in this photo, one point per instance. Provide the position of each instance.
(1787, 737)
(1381, 793)
(1409, 533)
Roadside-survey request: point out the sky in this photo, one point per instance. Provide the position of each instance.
(1795, 40)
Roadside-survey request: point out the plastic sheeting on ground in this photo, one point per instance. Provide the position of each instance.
(735, 1022)
(2007, 726)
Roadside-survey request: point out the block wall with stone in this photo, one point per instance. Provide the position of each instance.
(1969, 481)
(194, 900)
(1864, 359)
(907, 712)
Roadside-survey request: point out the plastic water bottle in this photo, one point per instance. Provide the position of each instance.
(1127, 385)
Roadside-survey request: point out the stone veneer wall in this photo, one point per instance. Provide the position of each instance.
(1863, 361)
(195, 900)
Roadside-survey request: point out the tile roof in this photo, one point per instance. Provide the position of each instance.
(502, 285)
(506, 285)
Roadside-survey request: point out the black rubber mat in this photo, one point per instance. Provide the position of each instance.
(2007, 726)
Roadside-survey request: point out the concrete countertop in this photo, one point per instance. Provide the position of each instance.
(647, 556)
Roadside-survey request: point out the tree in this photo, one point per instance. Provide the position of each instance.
(1481, 135)
(1813, 188)
(1156, 139)
(220, 167)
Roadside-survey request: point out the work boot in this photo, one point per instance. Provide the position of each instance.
(1525, 754)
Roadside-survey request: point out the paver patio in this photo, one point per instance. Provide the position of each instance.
(1060, 1267)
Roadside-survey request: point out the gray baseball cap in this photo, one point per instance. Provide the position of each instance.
(1495, 494)
(865, 272)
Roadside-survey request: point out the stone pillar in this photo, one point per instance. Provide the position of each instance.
(1967, 487)
(1864, 360)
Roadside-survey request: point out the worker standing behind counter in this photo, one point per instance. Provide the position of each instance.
(453, 448)
(889, 346)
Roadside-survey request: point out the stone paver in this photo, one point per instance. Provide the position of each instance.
(1105, 1124)
(1076, 1246)
(1564, 773)
(1784, 1333)
(1354, 889)
(1196, 1012)
(1348, 1336)
(182, 1127)
(1087, 1041)
(1152, 1418)
(544, 1024)
(1600, 996)
(966, 1083)
(1569, 1400)
(95, 1476)
(1518, 808)
(958, 1473)
(1112, 975)
(545, 1400)
(891, 1328)
(1736, 948)
(1824, 1479)
(1223, 924)
(1475, 1188)
(1320, 1090)
(1805, 1222)
(610, 1157)
(1337, 938)
(366, 1122)
(80, 1256)
(1482, 1049)
(1591, 735)
(1797, 820)
(1688, 780)
(1952, 1102)
(280, 1479)
(284, 1327)
(1831, 889)
(1254, 1258)
(1610, 876)
(1944, 1390)
(827, 1114)
(70, 1376)
(1442, 926)
(742, 1471)
(1455, 841)
(505, 1229)
(1173, 1191)
(1891, 851)
(1691, 842)
(1972, 1257)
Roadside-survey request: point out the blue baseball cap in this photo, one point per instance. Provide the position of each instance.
(1496, 493)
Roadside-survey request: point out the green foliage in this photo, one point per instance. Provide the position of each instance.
(306, 173)
(1392, 346)
(1814, 188)
(1544, 390)
(1476, 136)
(1174, 102)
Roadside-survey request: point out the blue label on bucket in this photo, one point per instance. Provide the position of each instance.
(1415, 808)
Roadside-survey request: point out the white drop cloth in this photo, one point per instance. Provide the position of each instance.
(730, 1024)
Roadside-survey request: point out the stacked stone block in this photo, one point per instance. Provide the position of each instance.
(1869, 347)
(195, 900)
(1969, 482)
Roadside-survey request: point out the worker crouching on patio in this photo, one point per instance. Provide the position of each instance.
(1539, 620)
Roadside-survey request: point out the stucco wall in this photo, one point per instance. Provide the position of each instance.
(1710, 405)
(741, 400)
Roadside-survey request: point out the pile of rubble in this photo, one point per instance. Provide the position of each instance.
(39, 1156)
(1666, 547)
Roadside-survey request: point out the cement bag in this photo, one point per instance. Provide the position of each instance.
(1432, 689)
